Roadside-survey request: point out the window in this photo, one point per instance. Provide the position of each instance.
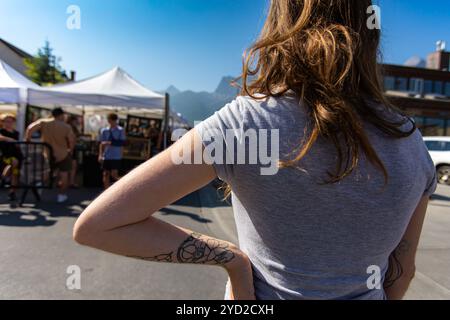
(401, 84)
(389, 83)
(447, 146)
(447, 89)
(416, 85)
(428, 86)
(438, 87)
(435, 145)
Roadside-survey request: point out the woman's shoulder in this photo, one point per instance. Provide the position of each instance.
(264, 102)
(246, 112)
(272, 111)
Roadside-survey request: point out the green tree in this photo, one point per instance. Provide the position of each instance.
(44, 68)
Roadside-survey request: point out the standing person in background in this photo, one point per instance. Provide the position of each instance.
(112, 140)
(60, 137)
(11, 154)
(72, 121)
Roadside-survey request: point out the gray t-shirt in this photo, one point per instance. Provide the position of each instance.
(307, 240)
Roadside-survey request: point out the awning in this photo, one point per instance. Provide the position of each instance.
(112, 88)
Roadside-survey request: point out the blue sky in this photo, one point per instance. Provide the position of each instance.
(188, 43)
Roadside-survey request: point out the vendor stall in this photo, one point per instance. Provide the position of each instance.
(142, 112)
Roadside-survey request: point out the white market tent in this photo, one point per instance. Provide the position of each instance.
(12, 83)
(112, 88)
(14, 89)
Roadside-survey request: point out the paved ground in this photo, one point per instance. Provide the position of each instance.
(432, 279)
(36, 249)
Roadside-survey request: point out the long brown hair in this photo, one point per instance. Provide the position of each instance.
(324, 51)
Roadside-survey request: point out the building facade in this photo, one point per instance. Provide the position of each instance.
(423, 92)
(13, 56)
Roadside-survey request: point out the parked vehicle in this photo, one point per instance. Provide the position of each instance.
(439, 148)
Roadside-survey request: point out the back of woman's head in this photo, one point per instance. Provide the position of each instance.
(326, 52)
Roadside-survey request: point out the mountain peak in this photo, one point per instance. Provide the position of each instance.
(197, 106)
(416, 62)
(225, 88)
(173, 91)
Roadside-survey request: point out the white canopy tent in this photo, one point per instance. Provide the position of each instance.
(14, 89)
(112, 88)
(12, 83)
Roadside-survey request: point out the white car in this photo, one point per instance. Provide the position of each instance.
(439, 148)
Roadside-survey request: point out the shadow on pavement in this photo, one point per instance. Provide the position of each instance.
(47, 212)
(40, 215)
(193, 216)
(18, 218)
(440, 197)
(193, 200)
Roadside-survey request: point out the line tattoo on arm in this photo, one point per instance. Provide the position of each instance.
(395, 270)
(203, 250)
(197, 249)
(159, 258)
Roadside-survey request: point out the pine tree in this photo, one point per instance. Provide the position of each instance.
(44, 68)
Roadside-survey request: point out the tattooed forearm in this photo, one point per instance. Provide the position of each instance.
(203, 250)
(197, 249)
(159, 258)
(395, 270)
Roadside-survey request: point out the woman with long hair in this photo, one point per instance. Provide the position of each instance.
(340, 216)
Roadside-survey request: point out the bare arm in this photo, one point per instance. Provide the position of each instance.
(6, 139)
(32, 128)
(111, 224)
(71, 140)
(101, 149)
(402, 261)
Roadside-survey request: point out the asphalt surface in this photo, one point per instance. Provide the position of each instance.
(37, 250)
(432, 280)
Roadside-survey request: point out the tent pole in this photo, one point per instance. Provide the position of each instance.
(83, 131)
(166, 120)
(21, 118)
(21, 112)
